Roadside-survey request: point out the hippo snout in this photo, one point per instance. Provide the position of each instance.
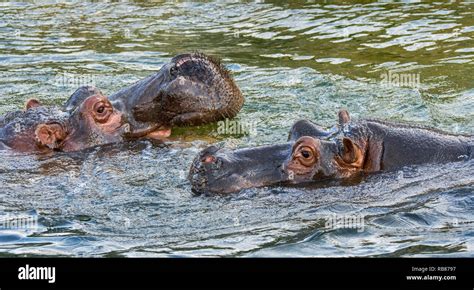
(220, 170)
(205, 165)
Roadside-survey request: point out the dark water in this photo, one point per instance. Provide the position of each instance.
(298, 60)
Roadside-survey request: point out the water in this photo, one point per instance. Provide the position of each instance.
(298, 60)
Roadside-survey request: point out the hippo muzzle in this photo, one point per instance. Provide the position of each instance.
(217, 170)
(192, 89)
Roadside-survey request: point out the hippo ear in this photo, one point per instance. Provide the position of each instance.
(352, 154)
(50, 135)
(32, 103)
(344, 117)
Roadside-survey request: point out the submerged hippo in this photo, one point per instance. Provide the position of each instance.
(18, 130)
(40, 129)
(313, 153)
(192, 89)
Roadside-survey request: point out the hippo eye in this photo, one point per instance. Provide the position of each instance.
(306, 154)
(102, 112)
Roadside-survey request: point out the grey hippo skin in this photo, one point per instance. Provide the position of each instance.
(18, 129)
(41, 129)
(192, 89)
(313, 153)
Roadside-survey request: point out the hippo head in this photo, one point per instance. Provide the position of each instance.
(34, 129)
(311, 153)
(308, 159)
(43, 129)
(93, 122)
(192, 89)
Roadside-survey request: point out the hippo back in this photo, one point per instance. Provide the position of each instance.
(408, 144)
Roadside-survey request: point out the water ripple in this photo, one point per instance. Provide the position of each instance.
(292, 61)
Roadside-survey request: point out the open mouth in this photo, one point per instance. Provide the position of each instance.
(152, 132)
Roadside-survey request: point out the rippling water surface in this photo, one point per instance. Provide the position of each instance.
(298, 60)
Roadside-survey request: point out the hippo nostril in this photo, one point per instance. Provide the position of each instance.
(208, 159)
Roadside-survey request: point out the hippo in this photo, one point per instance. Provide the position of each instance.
(41, 129)
(192, 89)
(313, 153)
(18, 129)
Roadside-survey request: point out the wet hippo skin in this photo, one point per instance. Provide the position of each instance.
(313, 153)
(192, 89)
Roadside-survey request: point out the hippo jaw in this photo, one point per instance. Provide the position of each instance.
(224, 171)
(192, 89)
